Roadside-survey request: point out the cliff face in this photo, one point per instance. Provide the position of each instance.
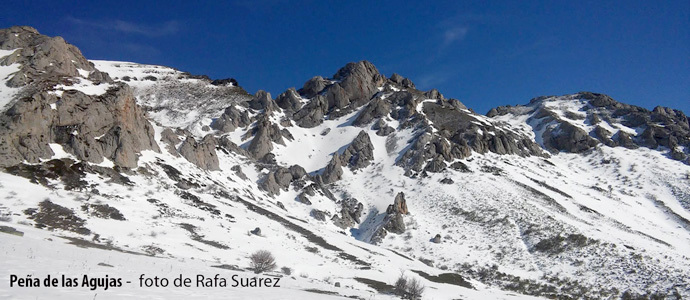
(64, 103)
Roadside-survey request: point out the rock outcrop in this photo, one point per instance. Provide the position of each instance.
(265, 134)
(44, 58)
(231, 119)
(202, 154)
(360, 152)
(572, 131)
(90, 127)
(350, 213)
(393, 220)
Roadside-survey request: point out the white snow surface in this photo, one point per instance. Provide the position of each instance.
(616, 212)
(6, 72)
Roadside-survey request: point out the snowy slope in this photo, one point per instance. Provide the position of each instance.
(509, 221)
(174, 98)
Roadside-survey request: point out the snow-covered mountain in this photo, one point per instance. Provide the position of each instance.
(348, 181)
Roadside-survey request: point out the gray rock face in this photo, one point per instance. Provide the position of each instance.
(360, 81)
(289, 100)
(170, 139)
(262, 101)
(231, 119)
(377, 108)
(436, 239)
(393, 220)
(569, 138)
(401, 81)
(313, 86)
(109, 126)
(311, 114)
(238, 171)
(202, 154)
(660, 127)
(266, 133)
(400, 204)
(91, 128)
(317, 214)
(336, 97)
(360, 152)
(302, 198)
(43, 58)
(228, 146)
(382, 129)
(350, 213)
(280, 179)
(333, 171)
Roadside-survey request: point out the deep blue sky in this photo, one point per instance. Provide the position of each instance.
(484, 54)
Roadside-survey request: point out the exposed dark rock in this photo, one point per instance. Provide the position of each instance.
(350, 213)
(311, 114)
(256, 231)
(43, 58)
(313, 86)
(281, 178)
(91, 128)
(289, 100)
(317, 214)
(382, 129)
(393, 220)
(459, 166)
(336, 97)
(377, 108)
(394, 223)
(226, 145)
(266, 133)
(436, 165)
(604, 136)
(333, 171)
(302, 198)
(202, 154)
(360, 81)
(569, 138)
(262, 101)
(400, 204)
(231, 119)
(360, 152)
(297, 171)
(225, 82)
(447, 181)
(436, 239)
(238, 171)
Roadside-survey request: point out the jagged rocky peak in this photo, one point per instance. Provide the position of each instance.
(42, 57)
(580, 122)
(43, 119)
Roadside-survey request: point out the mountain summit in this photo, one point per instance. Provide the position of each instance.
(361, 179)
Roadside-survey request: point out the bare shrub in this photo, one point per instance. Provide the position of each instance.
(415, 289)
(408, 288)
(262, 261)
(400, 285)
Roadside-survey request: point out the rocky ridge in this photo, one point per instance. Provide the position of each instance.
(236, 153)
